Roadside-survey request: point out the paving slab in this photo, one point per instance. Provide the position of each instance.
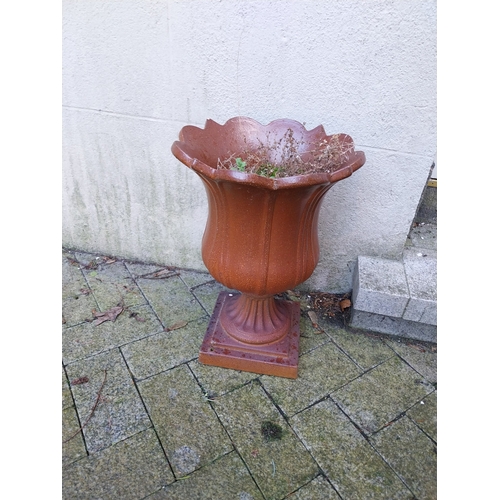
(171, 300)
(108, 405)
(225, 433)
(112, 285)
(352, 465)
(411, 454)
(321, 371)
(382, 394)
(207, 295)
(318, 489)
(194, 278)
(87, 339)
(67, 399)
(227, 478)
(421, 358)
(187, 426)
(77, 298)
(217, 381)
(365, 351)
(73, 447)
(277, 460)
(129, 470)
(310, 337)
(424, 415)
(165, 350)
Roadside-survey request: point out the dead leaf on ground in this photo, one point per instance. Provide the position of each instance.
(93, 264)
(109, 315)
(168, 272)
(313, 317)
(331, 305)
(80, 381)
(344, 304)
(417, 347)
(137, 317)
(176, 326)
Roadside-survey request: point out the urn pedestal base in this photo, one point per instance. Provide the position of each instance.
(279, 358)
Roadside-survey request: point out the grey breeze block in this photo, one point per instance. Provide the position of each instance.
(397, 297)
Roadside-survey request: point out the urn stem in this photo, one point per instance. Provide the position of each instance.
(255, 320)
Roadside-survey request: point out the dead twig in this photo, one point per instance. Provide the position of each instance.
(91, 411)
(160, 274)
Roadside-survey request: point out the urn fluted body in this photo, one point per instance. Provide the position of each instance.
(261, 239)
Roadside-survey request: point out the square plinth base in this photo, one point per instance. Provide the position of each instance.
(279, 359)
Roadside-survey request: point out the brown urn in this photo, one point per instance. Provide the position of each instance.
(261, 239)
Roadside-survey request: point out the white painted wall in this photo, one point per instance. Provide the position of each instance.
(136, 71)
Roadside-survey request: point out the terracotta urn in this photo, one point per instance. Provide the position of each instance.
(261, 239)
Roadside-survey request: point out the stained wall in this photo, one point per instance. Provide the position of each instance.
(135, 72)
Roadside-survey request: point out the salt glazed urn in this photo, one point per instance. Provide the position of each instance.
(261, 239)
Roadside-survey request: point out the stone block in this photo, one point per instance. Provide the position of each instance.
(379, 286)
(393, 326)
(421, 275)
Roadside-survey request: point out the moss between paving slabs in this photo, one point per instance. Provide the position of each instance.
(207, 294)
(129, 470)
(310, 337)
(165, 350)
(119, 412)
(87, 339)
(382, 394)
(422, 359)
(194, 278)
(77, 299)
(217, 381)
(319, 488)
(278, 466)
(171, 300)
(67, 400)
(366, 351)
(351, 464)
(225, 479)
(188, 428)
(111, 284)
(424, 414)
(411, 454)
(321, 371)
(73, 447)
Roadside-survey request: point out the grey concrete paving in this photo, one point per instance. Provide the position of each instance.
(143, 419)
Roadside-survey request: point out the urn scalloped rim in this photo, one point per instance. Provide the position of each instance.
(182, 151)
